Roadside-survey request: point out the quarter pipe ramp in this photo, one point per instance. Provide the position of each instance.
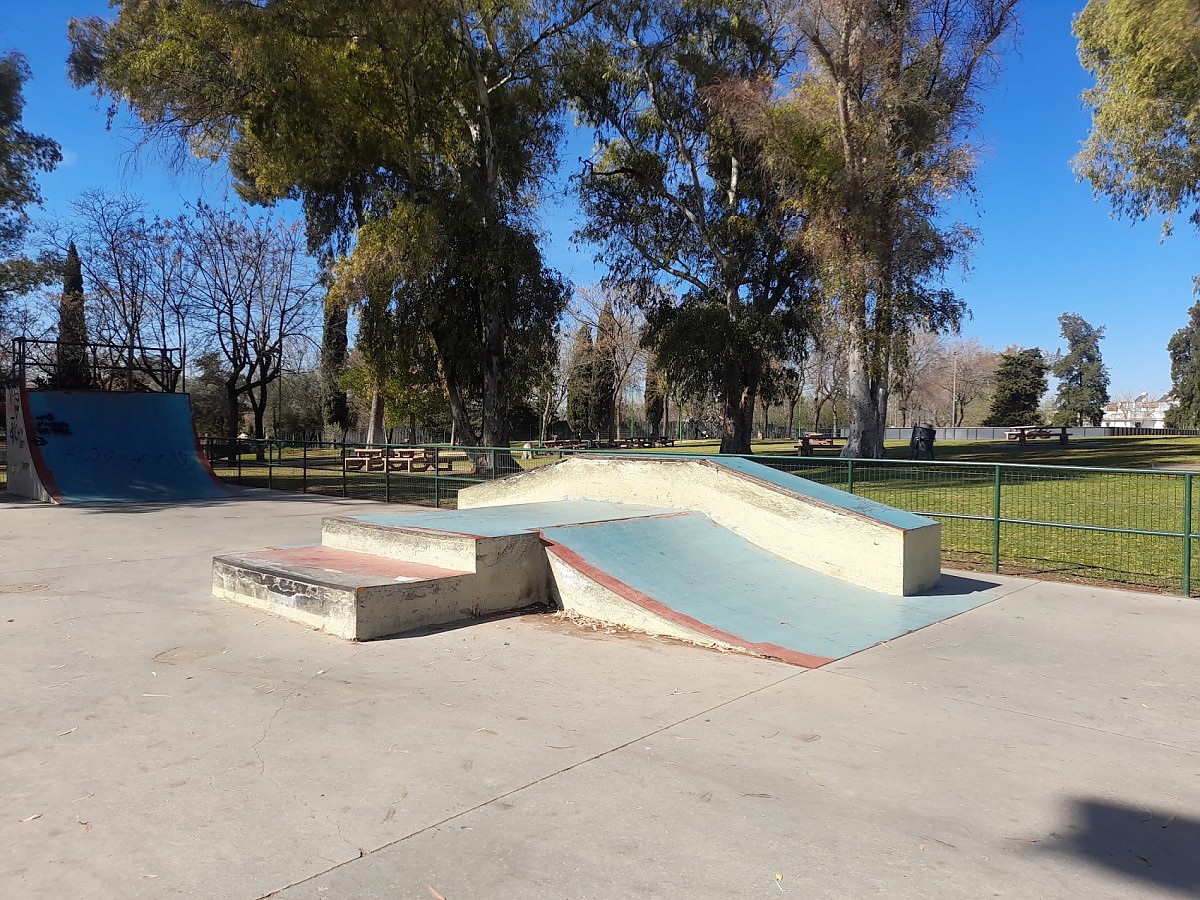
(96, 447)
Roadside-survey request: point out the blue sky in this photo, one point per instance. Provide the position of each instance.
(1047, 246)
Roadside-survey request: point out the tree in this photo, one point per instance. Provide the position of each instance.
(654, 397)
(824, 369)
(913, 375)
(675, 196)
(1020, 384)
(612, 314)
(1143, 150)
(335, 409)
(1184, 349)
(970, 372)
(584, 403)
(1082, 375)
(71, 364)
(364, 111)
(870, 144)
(139, 277)
(22, 156)
(254, 293)
(942, 378)
(433, 267)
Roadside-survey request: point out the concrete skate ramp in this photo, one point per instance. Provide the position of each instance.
(96, 447)
(830, 531)
(685, 576)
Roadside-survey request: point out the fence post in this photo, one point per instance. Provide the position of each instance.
(996, 522)
(270, 468)
(304, 468)
(343, 470)
(849, 476)
(237, 445)
(1187, 535)
(437, 488)
(387, 478)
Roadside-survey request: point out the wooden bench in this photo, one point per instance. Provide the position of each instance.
(815, 439)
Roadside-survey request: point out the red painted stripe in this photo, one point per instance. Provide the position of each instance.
(636, 597)
(49, 485)
(346, 562)
(200, 451)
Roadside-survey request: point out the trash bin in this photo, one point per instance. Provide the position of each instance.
(920, 445)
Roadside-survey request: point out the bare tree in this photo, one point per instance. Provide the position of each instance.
(824, 369)
(255, 292)
(614, 315)
(968, 373)
(942, 378)
(136, 277)
(912, 373)
(552, 391)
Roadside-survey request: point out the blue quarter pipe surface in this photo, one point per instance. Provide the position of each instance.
(120, 448)
(706, 572)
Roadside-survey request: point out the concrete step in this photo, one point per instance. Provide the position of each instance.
(357, 596)
(507, 558)
(404, 543)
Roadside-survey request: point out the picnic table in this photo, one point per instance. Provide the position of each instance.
(400, 459)
(644, 443)
(364, 459)
(815, 439)
(420, 459)
(1025, 433)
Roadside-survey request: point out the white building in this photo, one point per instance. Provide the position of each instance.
(1140, 412)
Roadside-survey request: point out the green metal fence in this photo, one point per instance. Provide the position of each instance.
(1123, 526)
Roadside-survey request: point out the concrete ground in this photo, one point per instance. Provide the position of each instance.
(156, 742)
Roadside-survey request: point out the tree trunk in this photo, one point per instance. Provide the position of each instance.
(738, 421)
(791, 419)
(375, 425)
(495, 390)
(868, 398)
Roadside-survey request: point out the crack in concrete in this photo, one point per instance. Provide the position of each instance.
(486, 803)
(262, 766)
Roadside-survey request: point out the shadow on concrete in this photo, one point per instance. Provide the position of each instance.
(1144, 845)
(955, 585)
(536, 610)
(237, 495)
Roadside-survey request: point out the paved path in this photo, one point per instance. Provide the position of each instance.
(159, 743)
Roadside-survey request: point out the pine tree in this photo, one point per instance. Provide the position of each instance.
(1083, 377)
(581, 384)
(655, 396)
(605, 384)
(1020, 384)
(72, 371)
(1184, 348)
(334, 404)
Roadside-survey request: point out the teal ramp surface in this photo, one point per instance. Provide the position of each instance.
(702, 571)
(95, 447)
